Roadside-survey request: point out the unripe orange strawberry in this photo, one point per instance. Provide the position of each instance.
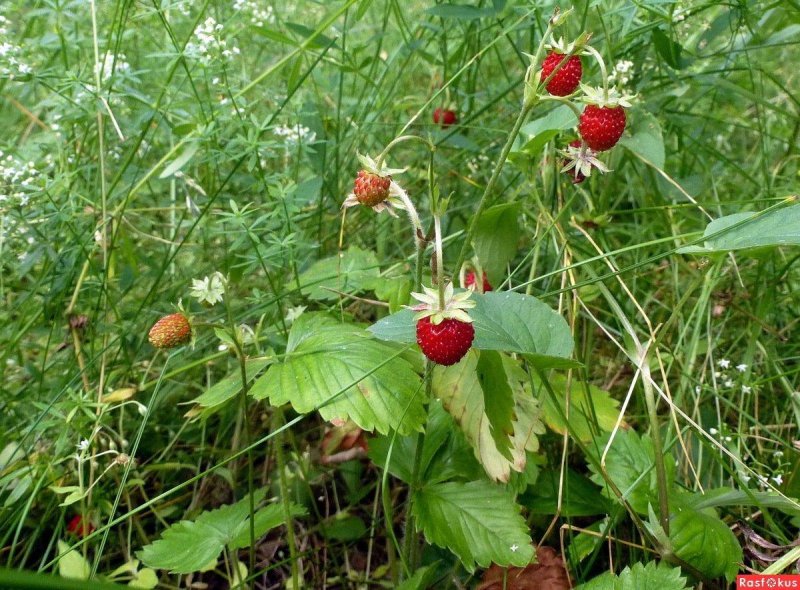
(371, 189)
(170, 331)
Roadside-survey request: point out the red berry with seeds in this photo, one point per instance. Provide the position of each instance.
(444, 117)
(371, 189)
(601, 127)
(566, 79)
(170, 331)
(80, 527)
(471, 280)
(444, 343)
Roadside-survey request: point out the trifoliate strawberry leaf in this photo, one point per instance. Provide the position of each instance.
(188, 546)
(702, 540)
(740, 231)
(591, 410)
(477, 520)
(496, 238)
(348, 272)
(630, 465)
(639, 576)
(338, 369)
(459, 389)
(72, 564)
(505, 321)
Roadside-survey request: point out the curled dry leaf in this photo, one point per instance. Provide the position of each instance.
(548, 573)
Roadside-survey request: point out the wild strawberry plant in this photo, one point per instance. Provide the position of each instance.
(491, 294)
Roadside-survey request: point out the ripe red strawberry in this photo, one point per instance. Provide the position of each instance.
(445, 343)
(601, 127)
(470, 280)
(371, 189)
(78, 527)
(170, 331)
(567, 78)
(444, 117)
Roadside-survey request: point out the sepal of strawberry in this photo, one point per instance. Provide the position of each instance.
(601, 98)
(455, 305)
(444, 329)
(374, 187)
(579, 159)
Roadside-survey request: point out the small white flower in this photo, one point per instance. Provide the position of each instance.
(210, 289)
(83, 445)
(778, 454)
(728, 383)
(728, 439)
(724, 363)
(741, 367)
(745, 478)
(713, 431)
(778, 479)
(514, 548)
(746, 389)
(294, 312)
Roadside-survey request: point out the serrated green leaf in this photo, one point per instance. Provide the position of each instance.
(496, 237)
(421, 579)
(460, 391)
(72, 564)
(227, 388)
(651, 575)
(339, 369)
(506, 321)
(705, 542)
(478, 521)
(630, 465)
(778, 227)
(579, 496)
(188, 546)
(591, 410)
(348, 272)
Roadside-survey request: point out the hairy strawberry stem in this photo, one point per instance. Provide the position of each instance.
(437, 225)
(603, 71)
(397, 141)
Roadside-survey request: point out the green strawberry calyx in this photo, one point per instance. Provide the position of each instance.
(455, 305)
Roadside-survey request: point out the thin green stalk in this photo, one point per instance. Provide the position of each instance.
(280, 458)
(658, 447)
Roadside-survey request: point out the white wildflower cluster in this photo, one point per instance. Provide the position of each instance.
(621, 73)
(259, 15)
(477, 163)
(11, 63)
(209, 289)
(209, 43)
(19, 183)
(296, 134)
(113, 65)
(731, 377)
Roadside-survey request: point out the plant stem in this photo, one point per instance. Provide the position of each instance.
(410, 541)
(396, 141)
(658, 447)
(280, 459)
(473, 224)
(603, 71)
(437, 224)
